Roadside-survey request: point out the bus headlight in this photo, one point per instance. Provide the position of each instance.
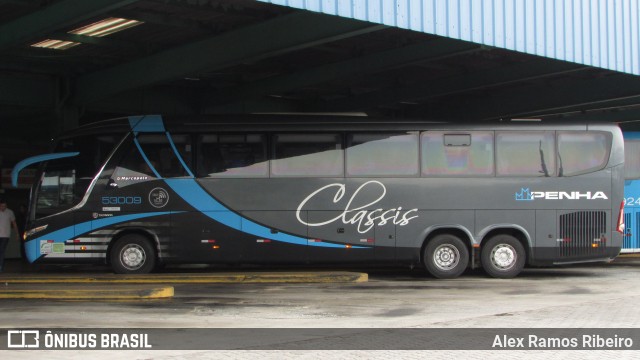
(34, 230)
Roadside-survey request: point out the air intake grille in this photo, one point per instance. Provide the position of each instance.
(582, 233)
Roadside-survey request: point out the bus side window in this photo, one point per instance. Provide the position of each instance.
(232, 155)
(161, 155)
(211, 160)
(582, 152)
(525, 153)
(382, 154)
(457, 154)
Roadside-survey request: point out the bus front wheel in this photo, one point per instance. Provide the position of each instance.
(446, 256)
(133, 254)
(503, 256)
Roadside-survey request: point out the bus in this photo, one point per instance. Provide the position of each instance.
(631, 242)
(142, 191)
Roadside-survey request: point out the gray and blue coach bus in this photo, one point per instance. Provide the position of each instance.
(142, 191)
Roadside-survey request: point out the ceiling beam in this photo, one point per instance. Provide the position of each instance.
(558, 96)
(623, 115)
(499, 76)
(266, 39)
(625, 104)
(157, 100)
(161, 19)
(432, 50)
(29, 3)
(99, 41)
(52, 18)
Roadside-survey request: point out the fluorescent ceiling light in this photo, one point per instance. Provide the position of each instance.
(98, 29)
(105, 27)
(55, 44)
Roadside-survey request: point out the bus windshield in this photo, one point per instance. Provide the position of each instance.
(64, 182)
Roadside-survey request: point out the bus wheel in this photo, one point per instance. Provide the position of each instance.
(446, 256)
(133, 254)
(503, 256)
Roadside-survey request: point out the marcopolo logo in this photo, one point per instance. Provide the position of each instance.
(159, 197)
(526, 194)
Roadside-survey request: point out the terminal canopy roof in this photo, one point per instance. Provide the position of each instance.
(66, 62)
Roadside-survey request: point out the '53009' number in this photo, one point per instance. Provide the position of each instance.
(121, 200)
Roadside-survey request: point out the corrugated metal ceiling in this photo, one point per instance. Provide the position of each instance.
(601, 33)
(194, 57)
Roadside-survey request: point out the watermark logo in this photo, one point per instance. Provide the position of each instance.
(23, 339)
(65, 340)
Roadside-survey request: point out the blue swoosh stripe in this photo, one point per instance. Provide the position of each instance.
(79, 229)
(32, 247)
(36, 159)
(196, 196)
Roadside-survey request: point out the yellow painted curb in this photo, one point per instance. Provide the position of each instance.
(99, 294)
(629, 255)
(279, 277)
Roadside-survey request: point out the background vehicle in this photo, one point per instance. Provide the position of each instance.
(631, 242)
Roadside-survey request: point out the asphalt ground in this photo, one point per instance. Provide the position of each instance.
(581, 296)
(24, 281)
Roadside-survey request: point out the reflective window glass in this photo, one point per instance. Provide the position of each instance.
(530, 153)
(232, 155)
(446, 153)
(385, 154)
(582, 152)
(308, 155)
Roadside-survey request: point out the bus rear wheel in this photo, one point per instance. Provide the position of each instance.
(133, 254)
(446, 256)
(503, 256)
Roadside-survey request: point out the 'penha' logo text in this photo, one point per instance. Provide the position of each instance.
(527, 195)
(354, 212)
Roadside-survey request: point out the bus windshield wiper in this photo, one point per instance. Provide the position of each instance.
(560, 168)
(543, 164)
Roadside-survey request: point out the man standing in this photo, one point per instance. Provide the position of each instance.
(7, 220)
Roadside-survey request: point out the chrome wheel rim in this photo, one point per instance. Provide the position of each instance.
(133, 256)
(446, 257)
(503, 256)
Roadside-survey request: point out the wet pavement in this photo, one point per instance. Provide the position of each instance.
(584, 296)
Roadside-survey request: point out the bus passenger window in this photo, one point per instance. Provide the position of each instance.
(383, 154)
(525, 153)
(161, 155)
(582, 152)
(446, 153)
(128, 163)
(232, 155)
(308, 155)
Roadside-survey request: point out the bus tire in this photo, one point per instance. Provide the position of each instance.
(503, 256)
(133, 254)
(446, 256)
